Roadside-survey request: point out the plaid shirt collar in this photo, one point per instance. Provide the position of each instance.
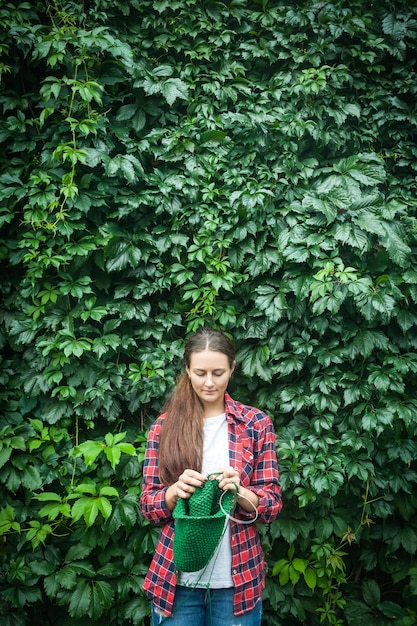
(233, 411)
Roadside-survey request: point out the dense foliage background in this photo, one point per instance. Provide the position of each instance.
(248, 164)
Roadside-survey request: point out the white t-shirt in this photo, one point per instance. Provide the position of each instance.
(217, 573)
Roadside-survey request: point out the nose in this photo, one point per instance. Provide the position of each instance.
(209, 381)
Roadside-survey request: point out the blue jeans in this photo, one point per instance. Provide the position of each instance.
(206, 607)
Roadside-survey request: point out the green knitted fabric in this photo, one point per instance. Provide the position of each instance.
(199, 525)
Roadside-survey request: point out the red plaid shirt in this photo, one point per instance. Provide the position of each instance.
(252, 451)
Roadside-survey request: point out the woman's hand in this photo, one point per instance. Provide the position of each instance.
(185, 486)
(229, 479)
(188, 483)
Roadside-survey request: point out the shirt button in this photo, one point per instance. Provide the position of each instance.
(235, 571)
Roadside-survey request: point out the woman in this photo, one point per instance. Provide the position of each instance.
(202, 431)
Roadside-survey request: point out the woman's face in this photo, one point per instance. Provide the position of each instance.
(209, 373)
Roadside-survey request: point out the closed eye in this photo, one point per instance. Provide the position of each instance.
(203, 373)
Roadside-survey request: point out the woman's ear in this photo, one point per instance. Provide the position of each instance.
(233, 368)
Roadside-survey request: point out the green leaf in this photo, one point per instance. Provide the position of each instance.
(47, 496)
(409, 540)
(90, 451)
(299, 565)
(279, 566)
(88, 508)
(310, 578)
(371, 592)
(102, 595)
(77, 551)
(52, 511)
(80, 601)
(104, 506)
(89, 488)
(174, 88)
(8, 521)
(398, 250)
(113, 455)
(125, 513)
(5, 455)
(108, 491)
(254, 362)
(212, 137)
(30, 478)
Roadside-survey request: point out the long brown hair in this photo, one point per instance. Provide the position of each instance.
(181, 439)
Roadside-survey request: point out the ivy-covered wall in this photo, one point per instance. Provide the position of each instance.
(248, 164)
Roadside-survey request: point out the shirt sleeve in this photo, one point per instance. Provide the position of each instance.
(265, 476)
(152, 501)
